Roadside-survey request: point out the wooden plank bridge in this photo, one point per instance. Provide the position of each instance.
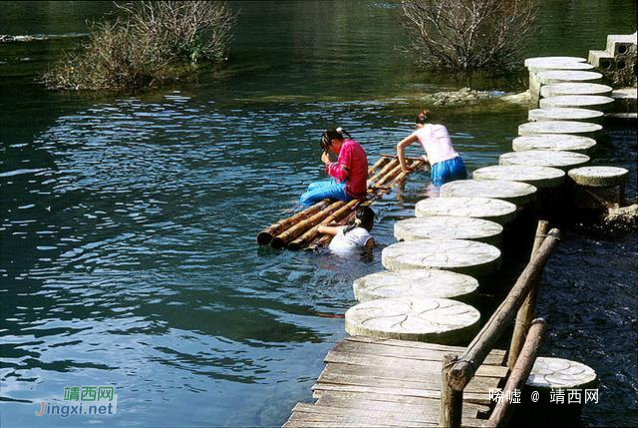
(369, 382)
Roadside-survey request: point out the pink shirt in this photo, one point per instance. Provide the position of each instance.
(436, 142)
(351, 168)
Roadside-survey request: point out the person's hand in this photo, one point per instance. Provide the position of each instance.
(325, 158)
(406, 168)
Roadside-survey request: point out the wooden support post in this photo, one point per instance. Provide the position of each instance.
(526, 312)
(451, 410)
(504, 410)
(485, 340)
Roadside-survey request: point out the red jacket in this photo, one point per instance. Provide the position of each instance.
(351, 168)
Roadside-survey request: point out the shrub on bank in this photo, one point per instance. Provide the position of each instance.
(149, 42)
(467, 35)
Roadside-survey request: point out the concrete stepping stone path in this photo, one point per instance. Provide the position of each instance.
(562, 160)
(510, 191)
(457, 255)
(414, 284)
(474, 229)
(432, 320)
(569, 88)
(495, 210)
(559, 127)
(552, 61)
(549, 373)
(540, 177)
(559, 114)
(553, 142)
(593, 102)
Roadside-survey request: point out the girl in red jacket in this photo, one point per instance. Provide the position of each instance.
(350, 172)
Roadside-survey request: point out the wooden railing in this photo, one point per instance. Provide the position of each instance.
(457, 370)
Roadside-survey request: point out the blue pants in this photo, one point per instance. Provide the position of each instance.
(324, 189)
(449, 170)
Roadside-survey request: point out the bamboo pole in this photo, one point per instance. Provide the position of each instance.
(388, 176)
(526, 312)
(265, 236)
(388, 167)
(281, 240)
(451, 410)
(503, 411)
(378, 164)
(311, 233)
(485, 340)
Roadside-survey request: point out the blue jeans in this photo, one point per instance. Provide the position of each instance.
(324, 189)
(449, 170)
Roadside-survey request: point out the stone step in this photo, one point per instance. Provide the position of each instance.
(573, 114)
(414, 284)
(599, 176)
(554, 373)
(540, 177)
(467, 257)
(552, 159)
(625, 100)
(432, 320)
(585, 129)
(510, 191)
(593, 102)
(449, 227)
(560, 76)
(568, 88)
(547, 61)
(620, 44)
(553, 142)
(495, 210)
(601, 59)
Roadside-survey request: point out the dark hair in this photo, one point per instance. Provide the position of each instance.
(363, 217)
(423, 117)
(330, 134)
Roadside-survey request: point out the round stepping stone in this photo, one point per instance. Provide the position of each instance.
(599, 176)
(457, 255)
(510, 191)
(431, 320)
(416, 283)
(474, 229)
(540, 177)
(568, 88)
(552, 61)
(495, 210)
(553, 142)
(545, 114)
(594, 102)
(562, 160)
(559, 127)
(548, 373)
(560, 76)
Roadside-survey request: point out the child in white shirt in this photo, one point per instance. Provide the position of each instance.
(355, 236)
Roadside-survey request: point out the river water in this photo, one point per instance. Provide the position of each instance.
(128, 223)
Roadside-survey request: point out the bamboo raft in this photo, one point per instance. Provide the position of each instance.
(300, 231)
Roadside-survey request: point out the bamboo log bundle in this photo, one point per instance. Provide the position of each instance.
(378, 164)
(282, 240)
(383, 171)
(265, 236)
(335, 217)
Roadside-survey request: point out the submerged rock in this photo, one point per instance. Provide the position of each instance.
(621, 218)
(5, 38)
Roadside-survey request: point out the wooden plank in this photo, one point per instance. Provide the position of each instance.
(395, 403)
(472, 397)
(353, 419)
(390, 350)
(373, 376)
(417, 345)
(396, 363)
(383, 416)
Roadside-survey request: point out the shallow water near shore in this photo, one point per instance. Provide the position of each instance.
(128, 254)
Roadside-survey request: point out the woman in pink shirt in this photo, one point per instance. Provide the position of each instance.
(447, 164)
(350, 172)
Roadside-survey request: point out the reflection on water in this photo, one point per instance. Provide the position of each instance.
(127, 252)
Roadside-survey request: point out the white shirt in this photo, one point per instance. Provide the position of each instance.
(436, 142)
(352, 241)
